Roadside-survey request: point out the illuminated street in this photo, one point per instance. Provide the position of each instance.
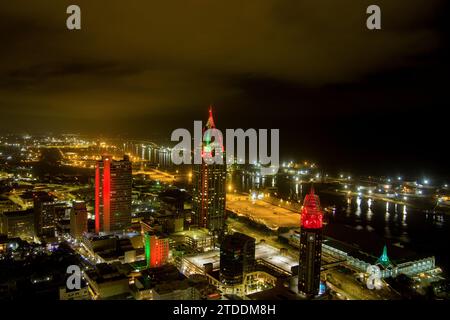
(238, 154)
(158, 175)
(262, 212)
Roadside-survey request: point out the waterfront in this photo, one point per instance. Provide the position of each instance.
(375, 222)
(409, 231)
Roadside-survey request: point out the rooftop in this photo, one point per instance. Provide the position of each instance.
(105, 272)
(263, 251)
(17, 214)
(194, 233)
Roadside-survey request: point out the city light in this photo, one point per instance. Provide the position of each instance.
(319, 174)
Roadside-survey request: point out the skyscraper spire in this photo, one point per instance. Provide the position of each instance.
(210, 124)
(312, 214)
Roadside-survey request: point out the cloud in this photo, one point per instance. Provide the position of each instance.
(164, 57)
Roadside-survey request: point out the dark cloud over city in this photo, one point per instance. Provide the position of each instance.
(310, 68)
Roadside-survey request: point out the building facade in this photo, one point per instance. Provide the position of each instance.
(113, 188)
(18, 224)
(78, 219)
(156, 250)
(44, 215)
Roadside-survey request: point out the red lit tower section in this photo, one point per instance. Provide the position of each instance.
(113, 188)
(310, 246)
(103, 194)
(97, 198)
(106, 194)
(156, 250)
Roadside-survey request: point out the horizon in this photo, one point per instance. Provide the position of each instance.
(366, 97)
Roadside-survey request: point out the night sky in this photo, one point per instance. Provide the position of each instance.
(344, 96)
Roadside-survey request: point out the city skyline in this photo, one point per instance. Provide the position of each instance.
(224, 151)
(285, 234)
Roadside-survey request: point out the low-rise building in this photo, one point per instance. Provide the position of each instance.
(167, 283)
(107, 282)
(18, 224)
(75, 294)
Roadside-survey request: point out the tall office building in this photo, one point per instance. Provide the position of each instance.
(209, 193)
(237, 257)
(44, 214)
(78, 219)
(310, 246)
(113, 183)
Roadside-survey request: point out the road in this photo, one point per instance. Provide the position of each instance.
(237, 226)
(262, 212)
(89, 259)
(157, 175)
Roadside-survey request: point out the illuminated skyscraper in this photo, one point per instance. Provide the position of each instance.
(113, 182)
(208, 208)
(310, 246)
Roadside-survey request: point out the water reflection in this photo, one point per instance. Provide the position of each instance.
(369, 210)
(358, 207)
(404, 224)
(386, 214)
(401, 224)
(348, 209)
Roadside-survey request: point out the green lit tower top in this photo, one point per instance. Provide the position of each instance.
(384, 259)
